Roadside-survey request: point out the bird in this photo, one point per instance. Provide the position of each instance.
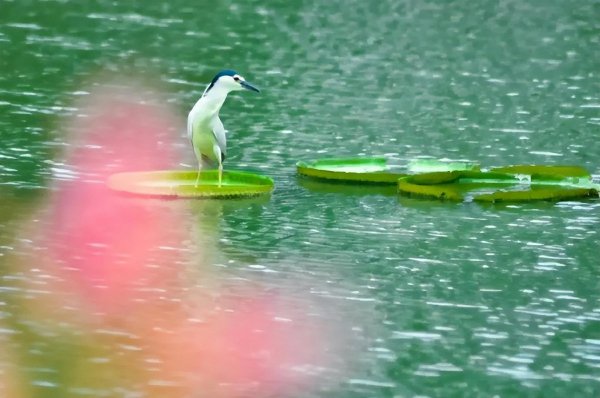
(204, 127)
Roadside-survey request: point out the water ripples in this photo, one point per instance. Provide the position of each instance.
(423, 294)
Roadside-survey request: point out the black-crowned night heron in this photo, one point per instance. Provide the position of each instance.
(204, 127)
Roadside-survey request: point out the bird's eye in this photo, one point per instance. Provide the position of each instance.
(236, 78)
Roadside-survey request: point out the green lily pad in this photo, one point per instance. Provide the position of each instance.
(554, 194)
(553, 171)
(372, 170)
(436, 165)
(450, 192)
(182, 184)
(513, 185)
(364, 170)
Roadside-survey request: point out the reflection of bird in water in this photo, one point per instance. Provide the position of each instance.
(204, 127)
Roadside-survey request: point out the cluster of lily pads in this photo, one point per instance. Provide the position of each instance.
(460, 181)
(426, 178)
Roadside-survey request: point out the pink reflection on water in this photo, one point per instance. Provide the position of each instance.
(103, 240)
(243, 350)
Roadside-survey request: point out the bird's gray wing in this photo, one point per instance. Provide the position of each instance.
(220, 134)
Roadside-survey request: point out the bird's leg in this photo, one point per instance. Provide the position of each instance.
(198, 177)
(220, 173)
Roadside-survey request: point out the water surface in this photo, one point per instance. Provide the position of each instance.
(424, 298)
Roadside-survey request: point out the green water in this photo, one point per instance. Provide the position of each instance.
(429, 299)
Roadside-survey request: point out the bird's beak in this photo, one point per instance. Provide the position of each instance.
(249, 86)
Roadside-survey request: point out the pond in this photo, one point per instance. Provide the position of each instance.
(315, 290)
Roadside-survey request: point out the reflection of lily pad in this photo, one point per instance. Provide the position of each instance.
(513, 184)
(344, 188)
(373, 170)
(182, 184)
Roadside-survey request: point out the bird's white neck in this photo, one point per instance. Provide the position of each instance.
(210, 104)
